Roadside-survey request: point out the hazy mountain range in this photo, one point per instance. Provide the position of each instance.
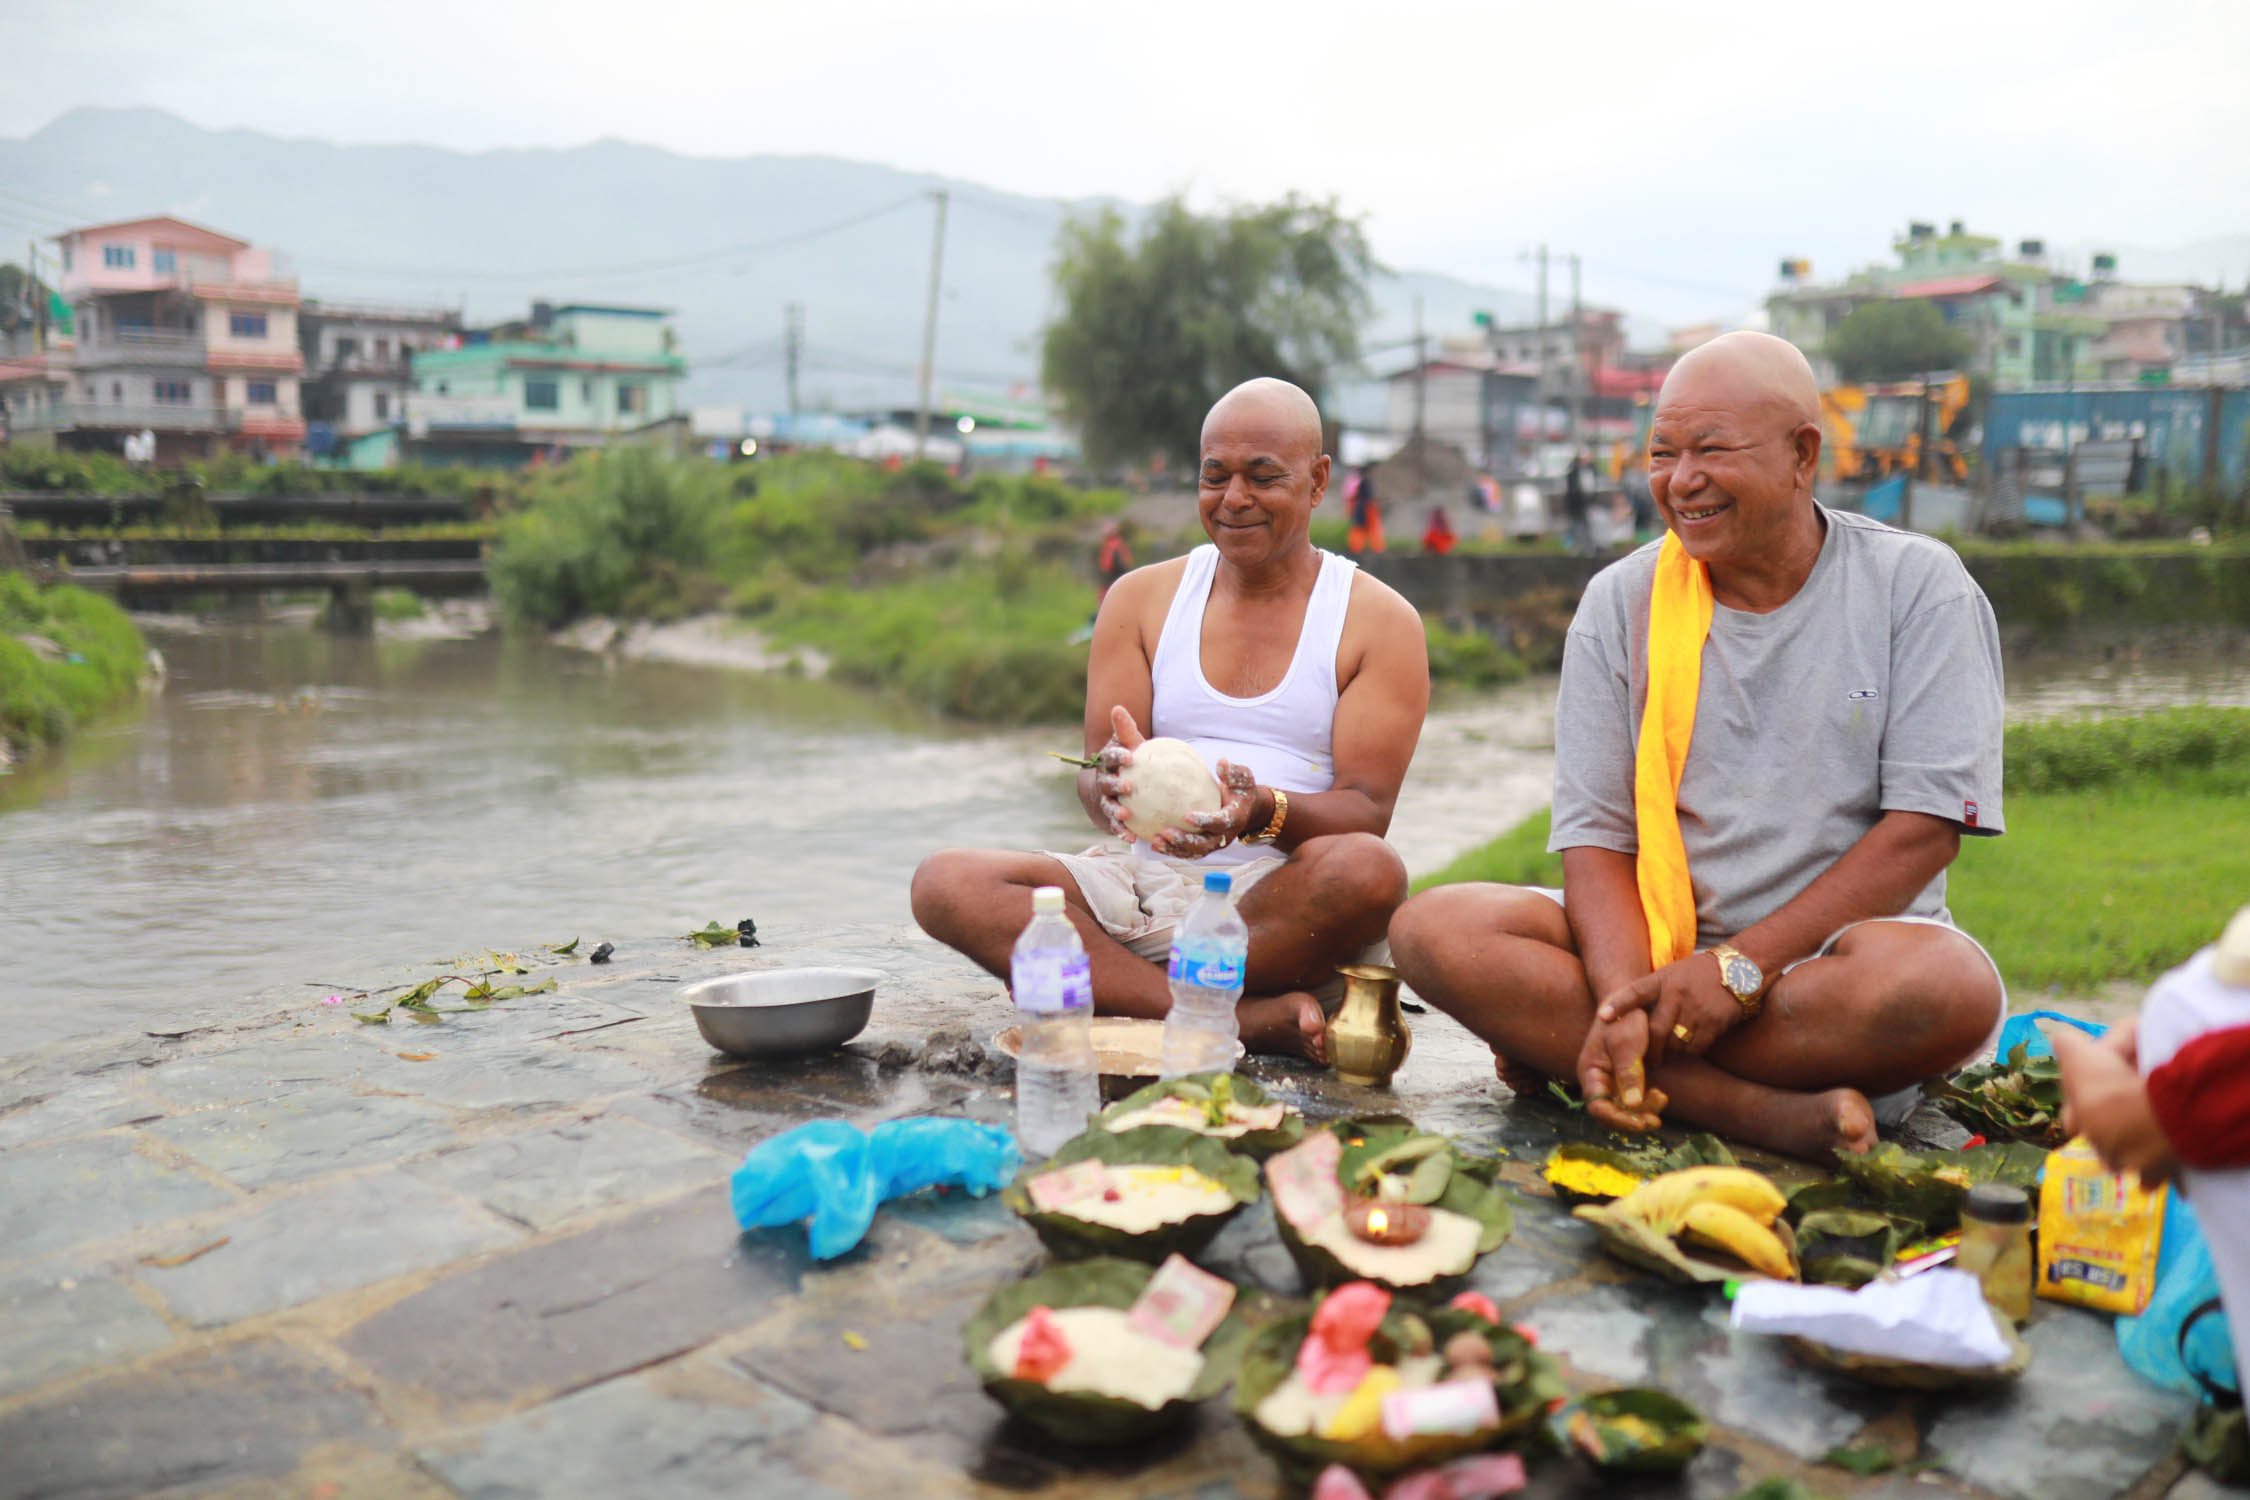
(725, 243)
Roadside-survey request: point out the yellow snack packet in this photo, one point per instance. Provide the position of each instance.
(2099, 1232)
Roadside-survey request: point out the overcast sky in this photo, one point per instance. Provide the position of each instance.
(1681, 150)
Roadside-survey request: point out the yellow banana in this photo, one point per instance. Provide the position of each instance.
(1663, 1202)
(1740, 1235)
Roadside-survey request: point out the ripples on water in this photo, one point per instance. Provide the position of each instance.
(297, 810)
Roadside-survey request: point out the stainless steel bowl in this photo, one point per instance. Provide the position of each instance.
(781, 1012)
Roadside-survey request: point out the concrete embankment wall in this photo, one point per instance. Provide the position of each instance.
(2037, 592)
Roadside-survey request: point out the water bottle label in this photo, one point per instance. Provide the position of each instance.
(1206, 969)
(1053, 982)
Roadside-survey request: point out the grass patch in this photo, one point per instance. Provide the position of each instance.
(2116, 883)
(2126, 848)
(398, 604)
(83, 656)
(1517, 857)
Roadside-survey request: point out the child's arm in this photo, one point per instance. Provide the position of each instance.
(2200, 1099)
(2105, 1101)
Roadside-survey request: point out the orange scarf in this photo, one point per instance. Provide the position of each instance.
(1679, 620)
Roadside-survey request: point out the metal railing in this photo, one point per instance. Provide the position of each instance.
(164, 416)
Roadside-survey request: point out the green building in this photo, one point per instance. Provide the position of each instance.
(2025, 321)
(569, 377)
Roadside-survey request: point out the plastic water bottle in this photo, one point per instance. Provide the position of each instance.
(1210, 950)
(1057, 1086)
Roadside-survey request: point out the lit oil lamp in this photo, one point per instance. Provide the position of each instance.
(1387, 1223)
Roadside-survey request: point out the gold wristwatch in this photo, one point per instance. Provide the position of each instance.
(1743, 978)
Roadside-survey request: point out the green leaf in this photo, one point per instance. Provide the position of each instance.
(1526, 1380)
(1642, 1429)
(373, 1017)
(714, 936)
(1083, 1416)
(1569, 1099)
(1143, 1145)
(563, 950)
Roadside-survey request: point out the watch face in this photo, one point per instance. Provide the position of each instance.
(1742, 976)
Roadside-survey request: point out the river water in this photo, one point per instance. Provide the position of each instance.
(294, 812)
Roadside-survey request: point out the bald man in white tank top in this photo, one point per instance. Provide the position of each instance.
(1303, 680)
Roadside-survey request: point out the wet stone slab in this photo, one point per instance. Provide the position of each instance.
(243, 1069)
(331, 1239)
(80, 1107)
(306, 1133)
(557, 1315)
(68, 1194)
(2077, 1425)
(61, 1317)
(1751, 1384)
(625, 1437)
(244, 1412)
(542, 1178)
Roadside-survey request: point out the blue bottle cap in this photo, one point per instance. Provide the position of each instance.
(1218, 880)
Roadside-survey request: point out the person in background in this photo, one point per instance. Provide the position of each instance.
(1112, 560)
(1580, 536)
(1366, 514)
(2170, 1095)
(1437, 537)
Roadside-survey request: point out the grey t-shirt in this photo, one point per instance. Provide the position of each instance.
(1876, 689)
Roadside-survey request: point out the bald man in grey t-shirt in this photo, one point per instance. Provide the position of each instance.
(1846, 735)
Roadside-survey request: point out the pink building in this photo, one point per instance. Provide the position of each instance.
(181, 331)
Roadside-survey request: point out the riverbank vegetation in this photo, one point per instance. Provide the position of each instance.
(2125, 849)
(961, 594)
(66, 655)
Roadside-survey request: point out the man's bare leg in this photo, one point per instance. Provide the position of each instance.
(978, 902)
(1894, 1004)
(1332, 898)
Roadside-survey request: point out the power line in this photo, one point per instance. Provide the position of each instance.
(634, 268)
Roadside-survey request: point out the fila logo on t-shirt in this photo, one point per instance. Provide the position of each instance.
(1969, 814)
(1861, 693)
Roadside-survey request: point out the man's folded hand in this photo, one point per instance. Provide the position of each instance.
(1686, 1005)
(1613, 1074)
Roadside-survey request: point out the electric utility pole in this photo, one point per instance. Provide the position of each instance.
(929, 328)
(793, 346)
(1577, 360)
(1539, 386)
(1421, 394)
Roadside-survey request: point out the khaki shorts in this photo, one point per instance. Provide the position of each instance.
(1140, 899)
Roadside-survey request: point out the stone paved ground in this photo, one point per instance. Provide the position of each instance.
(493, 1257)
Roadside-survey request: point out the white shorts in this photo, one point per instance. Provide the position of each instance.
(1891, 1108)
(1140, 898)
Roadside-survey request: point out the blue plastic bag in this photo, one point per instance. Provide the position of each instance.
(834, 1175)
(2025, 1029)
(2185, 1279)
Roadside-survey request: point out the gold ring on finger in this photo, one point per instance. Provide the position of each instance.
(1686, 1036)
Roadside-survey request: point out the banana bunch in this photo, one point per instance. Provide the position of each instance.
(1729, 1208)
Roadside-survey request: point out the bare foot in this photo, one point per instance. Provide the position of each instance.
(1521, 1078)
(1817, 1127)
(1290, 1025)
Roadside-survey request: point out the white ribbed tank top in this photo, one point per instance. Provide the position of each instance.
(1284, 735)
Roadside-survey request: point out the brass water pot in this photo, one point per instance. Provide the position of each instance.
(1367, 1037)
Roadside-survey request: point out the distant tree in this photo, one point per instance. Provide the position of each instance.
(21, 297)
(1153, 330)
(1895, 340)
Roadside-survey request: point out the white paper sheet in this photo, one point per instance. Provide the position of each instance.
(1937, 1318)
